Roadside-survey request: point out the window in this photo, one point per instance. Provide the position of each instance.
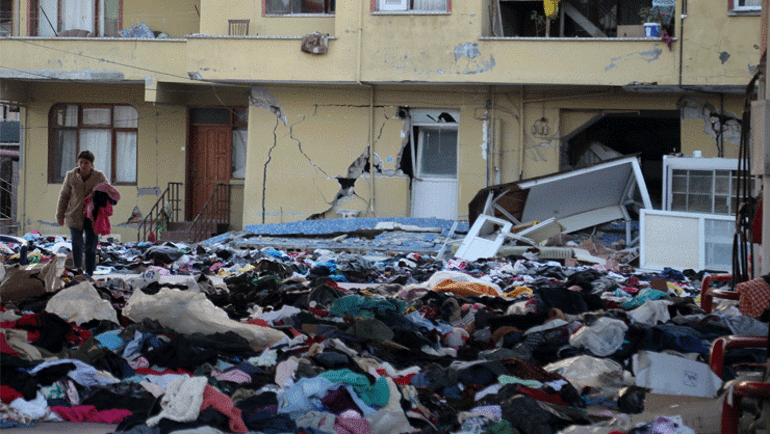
(283, 7)
(109, 131)
(745, 5)
(704, 185)
(6, 17)
(414, 5)
(51, 17)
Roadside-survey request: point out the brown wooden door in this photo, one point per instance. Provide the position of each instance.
(210, 155)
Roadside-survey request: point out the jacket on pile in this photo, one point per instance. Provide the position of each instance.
(73, 192)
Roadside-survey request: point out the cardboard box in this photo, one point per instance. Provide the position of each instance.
(673, 375)
(631, 31)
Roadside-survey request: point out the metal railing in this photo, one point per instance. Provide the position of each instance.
(165, 210)
(214, 217)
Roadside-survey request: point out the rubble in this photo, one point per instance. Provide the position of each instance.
(350, 327)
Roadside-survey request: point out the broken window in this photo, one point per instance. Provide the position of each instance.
(588, 19)
(283, 7)
(51, 17)
(109, 131)
(413, 5)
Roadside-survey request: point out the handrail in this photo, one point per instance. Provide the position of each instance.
(215, 211)
(171, 197)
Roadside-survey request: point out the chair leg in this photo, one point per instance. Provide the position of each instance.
(731, 415)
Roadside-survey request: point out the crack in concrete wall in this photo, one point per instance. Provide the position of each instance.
(264, 167)
(715, 121)
(299, 142)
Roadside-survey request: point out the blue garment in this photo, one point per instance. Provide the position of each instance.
(682, 339)
(110, 340)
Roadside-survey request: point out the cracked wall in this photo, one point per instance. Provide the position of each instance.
(711, 126)
(317, 166)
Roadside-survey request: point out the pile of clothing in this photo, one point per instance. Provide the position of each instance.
(268, 341)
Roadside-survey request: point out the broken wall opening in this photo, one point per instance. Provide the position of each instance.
(593, 18)
(651, 133)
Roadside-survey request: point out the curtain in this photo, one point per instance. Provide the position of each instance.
(126, 117)
(125, 168)
(78, 14)
(65, 146)
(97, 116)
(239, 153)
(430, 5)
(98, 141)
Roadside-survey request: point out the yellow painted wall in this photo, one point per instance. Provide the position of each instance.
(161, 143)
(177, 18)
(216, 13)
(718, 48)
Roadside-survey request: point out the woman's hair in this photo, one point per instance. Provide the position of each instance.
(86, 155)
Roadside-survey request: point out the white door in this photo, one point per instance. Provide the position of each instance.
(434, 186)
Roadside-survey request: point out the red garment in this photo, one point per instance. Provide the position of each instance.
(223, 404)
(148, 371)
(5, 348)
(8, 394)
(89, 413)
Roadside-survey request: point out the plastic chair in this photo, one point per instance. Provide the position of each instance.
(707, 293)
(238, 27)
(731, 407)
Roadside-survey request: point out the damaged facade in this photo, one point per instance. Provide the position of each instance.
(410, 111)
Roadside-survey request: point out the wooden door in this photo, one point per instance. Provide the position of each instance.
(210, 155)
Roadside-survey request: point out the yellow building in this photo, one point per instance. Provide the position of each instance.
(313, 109)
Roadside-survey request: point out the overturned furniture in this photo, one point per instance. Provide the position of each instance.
(576, 200)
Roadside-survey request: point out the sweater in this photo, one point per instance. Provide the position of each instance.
(73, 191)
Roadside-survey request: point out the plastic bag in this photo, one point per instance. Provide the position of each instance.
(603, 337)
(605, 375)
(191, 312)
(81, 303)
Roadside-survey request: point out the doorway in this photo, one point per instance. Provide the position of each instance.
(209, 156)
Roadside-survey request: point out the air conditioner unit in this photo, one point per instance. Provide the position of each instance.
(394, 5)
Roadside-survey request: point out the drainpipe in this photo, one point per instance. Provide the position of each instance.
(521, 133)
(682, 16)
(372, 206)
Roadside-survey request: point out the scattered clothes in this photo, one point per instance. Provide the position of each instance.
(282, 344)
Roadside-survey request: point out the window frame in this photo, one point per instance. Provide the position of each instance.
(735, 8)
(53, 129)
(711, 165)
(330, 8)
(376, 9)
(99, 23)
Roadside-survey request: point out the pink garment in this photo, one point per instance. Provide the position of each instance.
(223, 404)
(102, 219)
(88, 413)
(351, 425)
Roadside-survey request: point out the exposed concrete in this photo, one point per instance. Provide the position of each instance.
(727, 124)
(148, 191)
(80, 74)
(261, 97)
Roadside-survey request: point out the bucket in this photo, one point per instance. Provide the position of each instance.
(651, 30)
